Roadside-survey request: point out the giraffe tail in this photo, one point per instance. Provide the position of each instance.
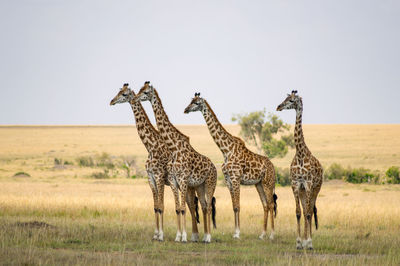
(196, 206)
(315, 217)
(213, 212)
(275, 205)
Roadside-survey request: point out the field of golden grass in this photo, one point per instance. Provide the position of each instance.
(33, 148)
(61, 215)
(111, 222)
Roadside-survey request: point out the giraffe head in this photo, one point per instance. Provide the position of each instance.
(197, 104)
(124, 95)
(292, 101)
(146, 93)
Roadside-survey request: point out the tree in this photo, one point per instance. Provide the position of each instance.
(262, 131)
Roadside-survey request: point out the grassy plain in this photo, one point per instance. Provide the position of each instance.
(62, 216)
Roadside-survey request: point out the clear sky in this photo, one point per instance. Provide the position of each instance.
(61, 61)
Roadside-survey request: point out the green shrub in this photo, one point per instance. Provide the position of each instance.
(335, 171)
(282, 176)
(85, 161)
(361, 175)
(393, 175)
(68, 163)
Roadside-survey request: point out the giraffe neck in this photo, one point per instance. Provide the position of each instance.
(301, 147)
(147, 133)
(221, 137)
(171, 135)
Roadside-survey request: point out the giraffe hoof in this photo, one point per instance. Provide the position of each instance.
(195, 237)
(308, 244)
(298, 243)
(155, 236)
(271, 236)
(235, 236)
(261, 236)
(207, 238)
(184, 238)
(178, 237)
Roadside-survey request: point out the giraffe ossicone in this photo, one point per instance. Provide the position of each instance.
(158, 157)
(306, 174)
(241, 166)
(191, 171)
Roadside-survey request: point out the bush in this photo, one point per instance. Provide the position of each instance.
(58, 161)
(335, 171)
(101, 175)
(352, 175)
(393, 175)
(104, 160)
(283, 176)
(85, 161)
(361, 175)
(61, 162)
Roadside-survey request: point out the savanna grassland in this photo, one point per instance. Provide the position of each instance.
(61, 214)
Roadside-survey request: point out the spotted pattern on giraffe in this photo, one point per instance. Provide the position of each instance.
(190, 169)
(241, 166)
(306, 174)
(158, 157)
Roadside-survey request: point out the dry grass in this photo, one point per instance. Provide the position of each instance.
(60, 215)
(112, 222)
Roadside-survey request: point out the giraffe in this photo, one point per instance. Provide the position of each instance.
(306, 173)
(156, 164)
(189, 169)
(241, 166)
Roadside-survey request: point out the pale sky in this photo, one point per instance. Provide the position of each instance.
(61, 61)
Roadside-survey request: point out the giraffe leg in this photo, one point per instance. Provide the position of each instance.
(160, 190)
(153, 187)
(305, 200)
(201, 193)
(210, 184)
(183, 187)
(235, 194)
(304, 207)
(190, 199)
(298, 216)
(175, 191)
(309, 209)
(263, 199)
(270, 201)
